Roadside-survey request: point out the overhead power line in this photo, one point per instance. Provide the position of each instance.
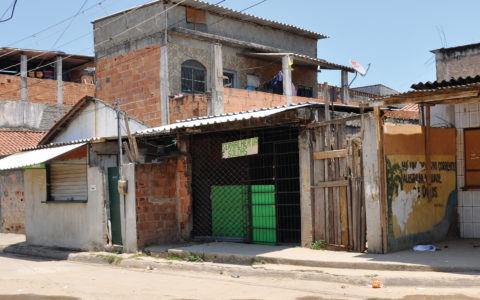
(13, 11)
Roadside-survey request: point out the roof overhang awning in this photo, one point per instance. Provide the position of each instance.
(35, 157)
(300, 59)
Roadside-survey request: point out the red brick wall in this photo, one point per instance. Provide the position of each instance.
(134, 78)
(190, 106)
(43, 90)
(241, 100)
(163, 202)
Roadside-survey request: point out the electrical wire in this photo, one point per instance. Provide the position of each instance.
(13, 11)
(116, 35)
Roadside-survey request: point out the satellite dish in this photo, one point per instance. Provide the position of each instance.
(358, 67)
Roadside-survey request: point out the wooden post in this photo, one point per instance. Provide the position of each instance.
(217, 79)
(23, 77)
(428, 158)
(305, 165)
(320, 225)
(325, 99)
(59, 69)
(132, 141)
(345, 94)
(287, 78)
(383, 180)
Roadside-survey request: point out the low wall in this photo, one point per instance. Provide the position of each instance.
(163, 202)
(66, 225)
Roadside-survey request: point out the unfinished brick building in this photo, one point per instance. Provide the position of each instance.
(171, 60)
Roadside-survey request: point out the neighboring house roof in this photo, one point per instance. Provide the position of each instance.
(231, 13)
(224, 118)
(376, 89)
(457, 48)
(69, 61)
(12, 141)
(408, 112)
(69, 116)
(452, 82)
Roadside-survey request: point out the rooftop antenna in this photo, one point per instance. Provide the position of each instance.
(359, 69)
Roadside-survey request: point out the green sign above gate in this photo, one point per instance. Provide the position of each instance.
(240, 148)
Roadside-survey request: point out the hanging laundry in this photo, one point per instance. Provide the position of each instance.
(280, 76)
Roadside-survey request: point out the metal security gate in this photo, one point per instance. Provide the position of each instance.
(339, 204)
(247, 198)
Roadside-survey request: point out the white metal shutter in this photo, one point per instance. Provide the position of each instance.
(68, 180)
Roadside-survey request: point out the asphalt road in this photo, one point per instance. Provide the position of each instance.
(37, 279)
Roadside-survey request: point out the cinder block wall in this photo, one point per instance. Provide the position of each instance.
(466, 116)
(163, 202)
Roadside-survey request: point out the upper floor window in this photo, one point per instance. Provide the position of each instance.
(193, 77)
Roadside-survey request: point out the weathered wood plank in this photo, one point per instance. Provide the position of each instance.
(325, 184)
(383, 181)
(319, 194)
(340, 153)
(344, 215)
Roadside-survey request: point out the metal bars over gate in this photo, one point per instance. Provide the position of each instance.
(250, 198)
(339, 205)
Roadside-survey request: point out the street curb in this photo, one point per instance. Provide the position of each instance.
(374, 266)
(242, 267)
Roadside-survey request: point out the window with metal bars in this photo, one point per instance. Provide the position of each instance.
(193, 77)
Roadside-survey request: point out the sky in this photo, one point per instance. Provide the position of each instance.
(394, 37)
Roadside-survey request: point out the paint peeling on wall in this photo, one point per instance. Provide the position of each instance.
(413, 217)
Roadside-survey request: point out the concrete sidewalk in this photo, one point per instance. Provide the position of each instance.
(282, 262)
(453, 256)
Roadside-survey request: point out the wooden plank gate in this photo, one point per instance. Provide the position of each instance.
(338, 199)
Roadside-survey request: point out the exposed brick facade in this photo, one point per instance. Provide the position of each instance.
(43, 90)
(12, 210)
(187, 107)
(134, 79)
(163, 201)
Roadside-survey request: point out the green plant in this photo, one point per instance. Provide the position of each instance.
(318, 245)
(111, 259)
(174, 257)
(259, 262)
(193, 257)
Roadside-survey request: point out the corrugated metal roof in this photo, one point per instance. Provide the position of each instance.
(446, 83)
(225, 118)
(35, 157)
(227, 12)
(323, 64)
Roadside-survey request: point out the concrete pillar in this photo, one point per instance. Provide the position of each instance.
(164, 87)
(128, 214)
(59, 69)
(23, 76)
(306, 179)
(216, 71)
(372, 185)
(345, 94)
(287, 78)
